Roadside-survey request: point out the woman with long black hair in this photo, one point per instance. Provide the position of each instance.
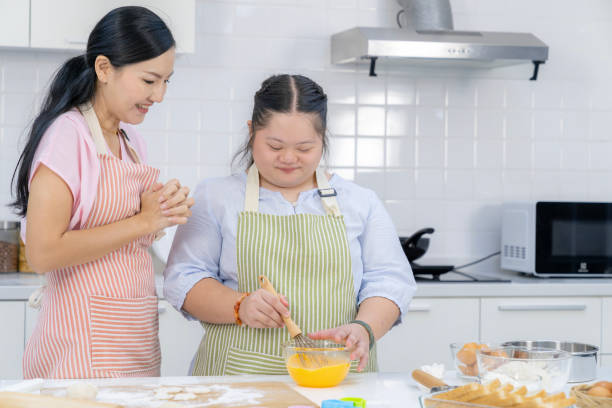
(93, 206)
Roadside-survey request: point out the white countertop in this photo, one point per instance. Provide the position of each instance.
(380, 390)
(19, 286)
(519, 286)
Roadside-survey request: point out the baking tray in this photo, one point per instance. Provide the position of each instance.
(430, 401)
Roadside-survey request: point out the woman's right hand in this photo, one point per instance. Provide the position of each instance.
(175, 200)
(261, 309)
(151, 212)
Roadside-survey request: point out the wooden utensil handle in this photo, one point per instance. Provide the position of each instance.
(24, 400)
(265, 284)
(293, 328)
(426, 379)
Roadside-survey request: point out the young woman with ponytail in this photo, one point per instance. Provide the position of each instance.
(327, 245)
(92, 206)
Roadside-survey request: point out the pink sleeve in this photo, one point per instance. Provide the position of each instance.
(136, 141)
(67, 149)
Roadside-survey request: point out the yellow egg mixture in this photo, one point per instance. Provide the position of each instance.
(326, 376)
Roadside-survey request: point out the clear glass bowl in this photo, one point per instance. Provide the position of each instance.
(324, 365)
(464, 359)
(536, 369)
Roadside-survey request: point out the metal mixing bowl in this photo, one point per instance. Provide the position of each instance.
(584, 356)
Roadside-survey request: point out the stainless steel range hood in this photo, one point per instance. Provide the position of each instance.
(422, 43)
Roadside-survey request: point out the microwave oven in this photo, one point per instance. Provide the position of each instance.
(557, 238)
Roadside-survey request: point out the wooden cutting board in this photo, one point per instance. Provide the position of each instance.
(267, 394)
(25, 400)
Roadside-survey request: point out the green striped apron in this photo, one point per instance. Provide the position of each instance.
(307, 258)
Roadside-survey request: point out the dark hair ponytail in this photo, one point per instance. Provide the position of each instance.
(126, 35)
(285, 94)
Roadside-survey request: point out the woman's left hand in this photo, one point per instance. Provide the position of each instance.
(354, 336)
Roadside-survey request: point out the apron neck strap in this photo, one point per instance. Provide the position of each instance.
(251, 199)
(327, 193)
(95, 130)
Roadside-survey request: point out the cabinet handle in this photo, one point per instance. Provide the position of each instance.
(419, 308)
(553, 308)
(161, 309)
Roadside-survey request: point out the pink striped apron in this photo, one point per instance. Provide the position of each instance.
(100, 319)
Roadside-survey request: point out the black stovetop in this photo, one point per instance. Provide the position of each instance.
(459, 277)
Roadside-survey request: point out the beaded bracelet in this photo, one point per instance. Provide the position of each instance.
(237, 308)
(368, 329)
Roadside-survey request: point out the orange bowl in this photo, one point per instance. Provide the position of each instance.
(324, 365)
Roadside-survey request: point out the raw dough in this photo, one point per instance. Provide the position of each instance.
(82, 390)
(162, 395)
(198, 389)
(170, 390)
(170, 404)
(184, 396)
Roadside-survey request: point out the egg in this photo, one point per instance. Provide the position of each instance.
(470, 370)
(599, 391)
(467, 356)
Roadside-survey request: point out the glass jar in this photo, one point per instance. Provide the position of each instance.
(9, 246)
(23, 262)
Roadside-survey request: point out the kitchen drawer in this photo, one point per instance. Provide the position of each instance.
(179, 339)
(429, 326)
(605, 360)
(606, 341)
(11, 342)
(571, 319)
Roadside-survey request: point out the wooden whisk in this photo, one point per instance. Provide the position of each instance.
(302, 342)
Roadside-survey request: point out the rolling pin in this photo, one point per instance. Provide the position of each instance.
(23, 400)
(433, 383)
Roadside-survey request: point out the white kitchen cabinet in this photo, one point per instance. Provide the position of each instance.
(179, 339)
(530, 318)
(31, 317)
(606, 341)
(66, 24)
(12, 317)
(605, 360)
(424, 336)
(14, 23)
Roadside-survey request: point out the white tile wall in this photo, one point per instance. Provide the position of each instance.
(441, 147)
